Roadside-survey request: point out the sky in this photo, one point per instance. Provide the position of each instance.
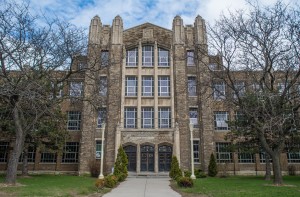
(136, 12)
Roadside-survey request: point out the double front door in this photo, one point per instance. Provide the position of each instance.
(147, 158)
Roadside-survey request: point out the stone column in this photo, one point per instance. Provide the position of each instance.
(156, 158)
(138, 158)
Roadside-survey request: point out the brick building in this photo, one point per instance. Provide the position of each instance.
(147, 92)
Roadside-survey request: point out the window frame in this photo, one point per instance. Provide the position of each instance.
(192, 86)
(222, 155)
(134, 52)
(146, 51)
(190, 58)
(76, 89)
(98, 149)
(145, 111)
(101, 117)
(167, 119)
(162, 87)
(104, 58)
(75, 121)
(196, 151)
(103, 85)
(132, 79)
(216, 119)
(160, 56)
(219, 91)
(69, 152)
(132, 110)
(193, 120)
(145, 87)
(4, 148)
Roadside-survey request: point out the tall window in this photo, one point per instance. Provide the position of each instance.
(132, 57)
(164, 117)
(3, 151)
(147, 117)
(130, 116)
(190, 58)
(293, 154)
(76, 89)
(98, 149)
(30, 156)
(194, 117)
(224, 155)
(192, 86)
(163, 57)
(262, 156)
(220, 119)
(70, 154)
(74, 120)
(219, 90)
(48, 157)
(103, 86)
(148, 55)
(245, 154)
(147, 86)
(101, 117)
(239, 87)
(163, 86)
(131, 86)
(196, 148)
(104, 58)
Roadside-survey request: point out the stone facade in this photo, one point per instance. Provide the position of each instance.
(149, 147)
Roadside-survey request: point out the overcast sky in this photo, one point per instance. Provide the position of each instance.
(135, 12)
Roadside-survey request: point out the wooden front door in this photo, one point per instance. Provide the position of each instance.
(131, 156)
(147, 158)
(165, 158)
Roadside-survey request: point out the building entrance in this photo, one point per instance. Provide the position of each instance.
(131, 156)
(147, 158)
(165, 158)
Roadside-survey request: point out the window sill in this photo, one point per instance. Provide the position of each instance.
(130, 96)
(131, 66)
(164, 97)
(163, 66)
(147, 97)
(219, 131)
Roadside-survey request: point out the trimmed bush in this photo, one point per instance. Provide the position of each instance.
(175, 171)
(120, 167)
(187, 173)
(94, 168)
(121, 177)
(110, 181)
(212, 167)
(185, 182)
(100, 183)
(199, 174)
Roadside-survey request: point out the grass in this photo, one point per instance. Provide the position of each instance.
(239, 186)
(52, 185)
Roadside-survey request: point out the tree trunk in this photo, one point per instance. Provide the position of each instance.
(268, 168)
(277, 168)
(25, 161)
(11, 174)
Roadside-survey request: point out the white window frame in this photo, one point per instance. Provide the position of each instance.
(71, 152)
(130, 117)
(163, 86)
(220, 120)
(101, 117)
(244, 157)
(131, 86)
(193, 112)
(163, 57)
(192, 86)
(223, 155)
(76, 89)
(147, 117)
(147, 86)
(219, 90)
(190, 60)
(196, 151)
(293, 156)
(98, 147)
(164, 117)
(74, 120)
(148, 56)
(132, 57)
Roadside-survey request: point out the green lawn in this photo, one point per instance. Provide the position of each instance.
(244, 186)
(52, 185)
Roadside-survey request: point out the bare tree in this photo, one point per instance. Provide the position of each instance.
(260, 52)
(35, 53)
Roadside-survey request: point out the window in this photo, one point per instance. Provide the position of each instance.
(213, 66)
(244, 153)
(57, 89)
(98, 149)
(194, 117)
(147, 117)
(163, 86)
(3, 151)
(74, 120)
(164, 117)
(103, 86)
(293, 153)
(76, 89)
(147, 86)
(148, 56)
(132, 57)
(101, 117)
(221, 118)
(196, 148)
(104, 58)
(130, 115)
(224, 155)
(48, 157)
(239, 88)
(163, 57)
(262, 157)
(190, 58)
(219, 90)
(192, 86)
(70, 154)
(131, 86)
(30, 156)
(240, 120)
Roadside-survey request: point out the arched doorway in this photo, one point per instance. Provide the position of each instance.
(131, 156)
(164, 157)
(147, 158)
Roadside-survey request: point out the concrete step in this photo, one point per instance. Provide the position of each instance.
(148, 175)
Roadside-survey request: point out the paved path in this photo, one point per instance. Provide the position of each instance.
(143, 187)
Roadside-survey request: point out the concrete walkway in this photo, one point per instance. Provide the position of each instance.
(143, 187)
